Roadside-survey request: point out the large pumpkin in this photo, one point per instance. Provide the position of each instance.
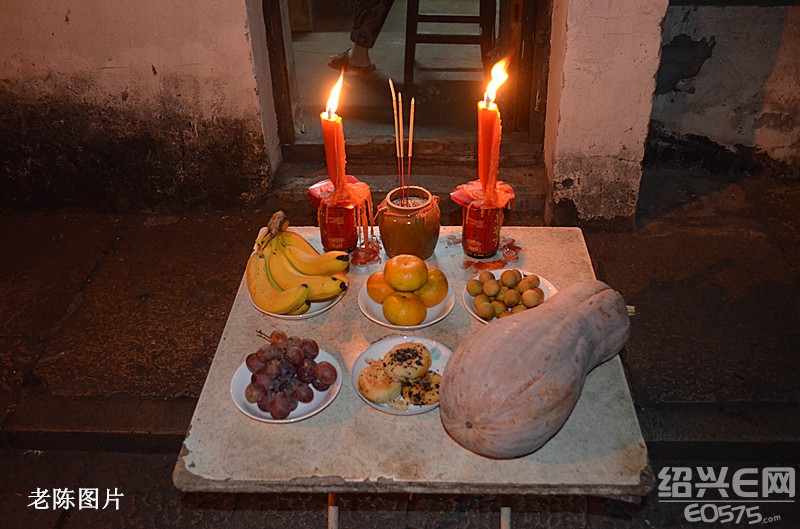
(510, 386)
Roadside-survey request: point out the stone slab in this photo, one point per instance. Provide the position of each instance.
(350, 447)
(716, 305)
(153, 311)
(45, 259)
(17, 357)
(42, 422)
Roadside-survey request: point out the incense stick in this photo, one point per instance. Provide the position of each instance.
(410, 141)
(396, 135)
(402, 152)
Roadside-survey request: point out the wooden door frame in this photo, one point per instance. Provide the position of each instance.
(282, 69)
(525, 26)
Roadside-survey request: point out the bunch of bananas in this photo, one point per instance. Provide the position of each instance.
(286, 273)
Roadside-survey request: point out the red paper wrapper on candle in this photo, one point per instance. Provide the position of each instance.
(481, 220)
(338, 214)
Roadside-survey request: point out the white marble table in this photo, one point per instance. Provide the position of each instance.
(350, 447)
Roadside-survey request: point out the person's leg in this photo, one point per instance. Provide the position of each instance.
(368, 19)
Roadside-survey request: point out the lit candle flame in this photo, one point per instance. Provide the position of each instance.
(333, 100)
(499, 76)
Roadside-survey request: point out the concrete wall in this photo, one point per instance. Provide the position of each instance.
(134, 103)
(732, 75)
(603, 59)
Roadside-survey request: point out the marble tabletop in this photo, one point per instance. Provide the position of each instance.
(350, 447)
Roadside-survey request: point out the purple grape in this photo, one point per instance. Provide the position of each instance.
(265, 402)
(273, 368)
(303, 393)
(253, 362)
(281, 406)
(252, 393)
(286, 385)
(306, 372)
(326, 373)
(294, 341)
(310, 348)
(261, 380)
(278, 339)
(287, 370)
(294, 355)
(293, 403)
(320, 386)
(267, 352)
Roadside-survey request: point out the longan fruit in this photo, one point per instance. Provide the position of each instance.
(518, 308)
(500, 295)
(485, 311)
(525, 285)
(481, 298)
(518, 274)
(474, 287)
(512, 298)
(532, 297)
(491, 287)
(504, 314)
(509, 279)
(485, 276)
(534, 279)
(499, 307)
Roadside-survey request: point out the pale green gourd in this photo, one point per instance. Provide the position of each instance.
(509, 387)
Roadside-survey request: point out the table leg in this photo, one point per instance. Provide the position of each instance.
(333, 512)
(505, 517)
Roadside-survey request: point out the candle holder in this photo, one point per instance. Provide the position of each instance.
(481, 219)
(480, 231)
(409, 221)
(338, 220)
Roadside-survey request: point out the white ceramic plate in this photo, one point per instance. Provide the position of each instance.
(440, 354)
(304, 410)
(374, 311)
(546, 286)
(317, 308)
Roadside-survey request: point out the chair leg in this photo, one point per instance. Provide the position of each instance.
(412, 21)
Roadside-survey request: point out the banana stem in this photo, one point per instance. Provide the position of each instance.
(277, 224)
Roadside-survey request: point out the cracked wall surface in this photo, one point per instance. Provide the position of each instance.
(730, 74)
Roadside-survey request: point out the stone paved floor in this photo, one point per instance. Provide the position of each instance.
(150, 501)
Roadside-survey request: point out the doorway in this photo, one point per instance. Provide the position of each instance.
(448, 79)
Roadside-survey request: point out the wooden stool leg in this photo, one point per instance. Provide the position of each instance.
(333, 512)
(488, 12)
(412, 21)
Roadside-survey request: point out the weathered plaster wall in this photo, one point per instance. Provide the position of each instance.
(604, 56)
(132, 104)
(732, 75)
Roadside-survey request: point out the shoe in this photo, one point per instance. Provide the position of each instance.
(342, 62)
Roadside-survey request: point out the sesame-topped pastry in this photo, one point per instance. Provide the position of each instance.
(424, 390)
(375, 384)
(407, 361)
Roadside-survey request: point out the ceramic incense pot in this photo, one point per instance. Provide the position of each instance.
(409, 221)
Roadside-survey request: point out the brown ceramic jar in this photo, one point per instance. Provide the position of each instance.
(410, 226)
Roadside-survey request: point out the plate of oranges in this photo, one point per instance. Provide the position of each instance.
(406, 294)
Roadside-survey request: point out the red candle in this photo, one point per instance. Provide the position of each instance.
(333, 137)
(489, 133)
